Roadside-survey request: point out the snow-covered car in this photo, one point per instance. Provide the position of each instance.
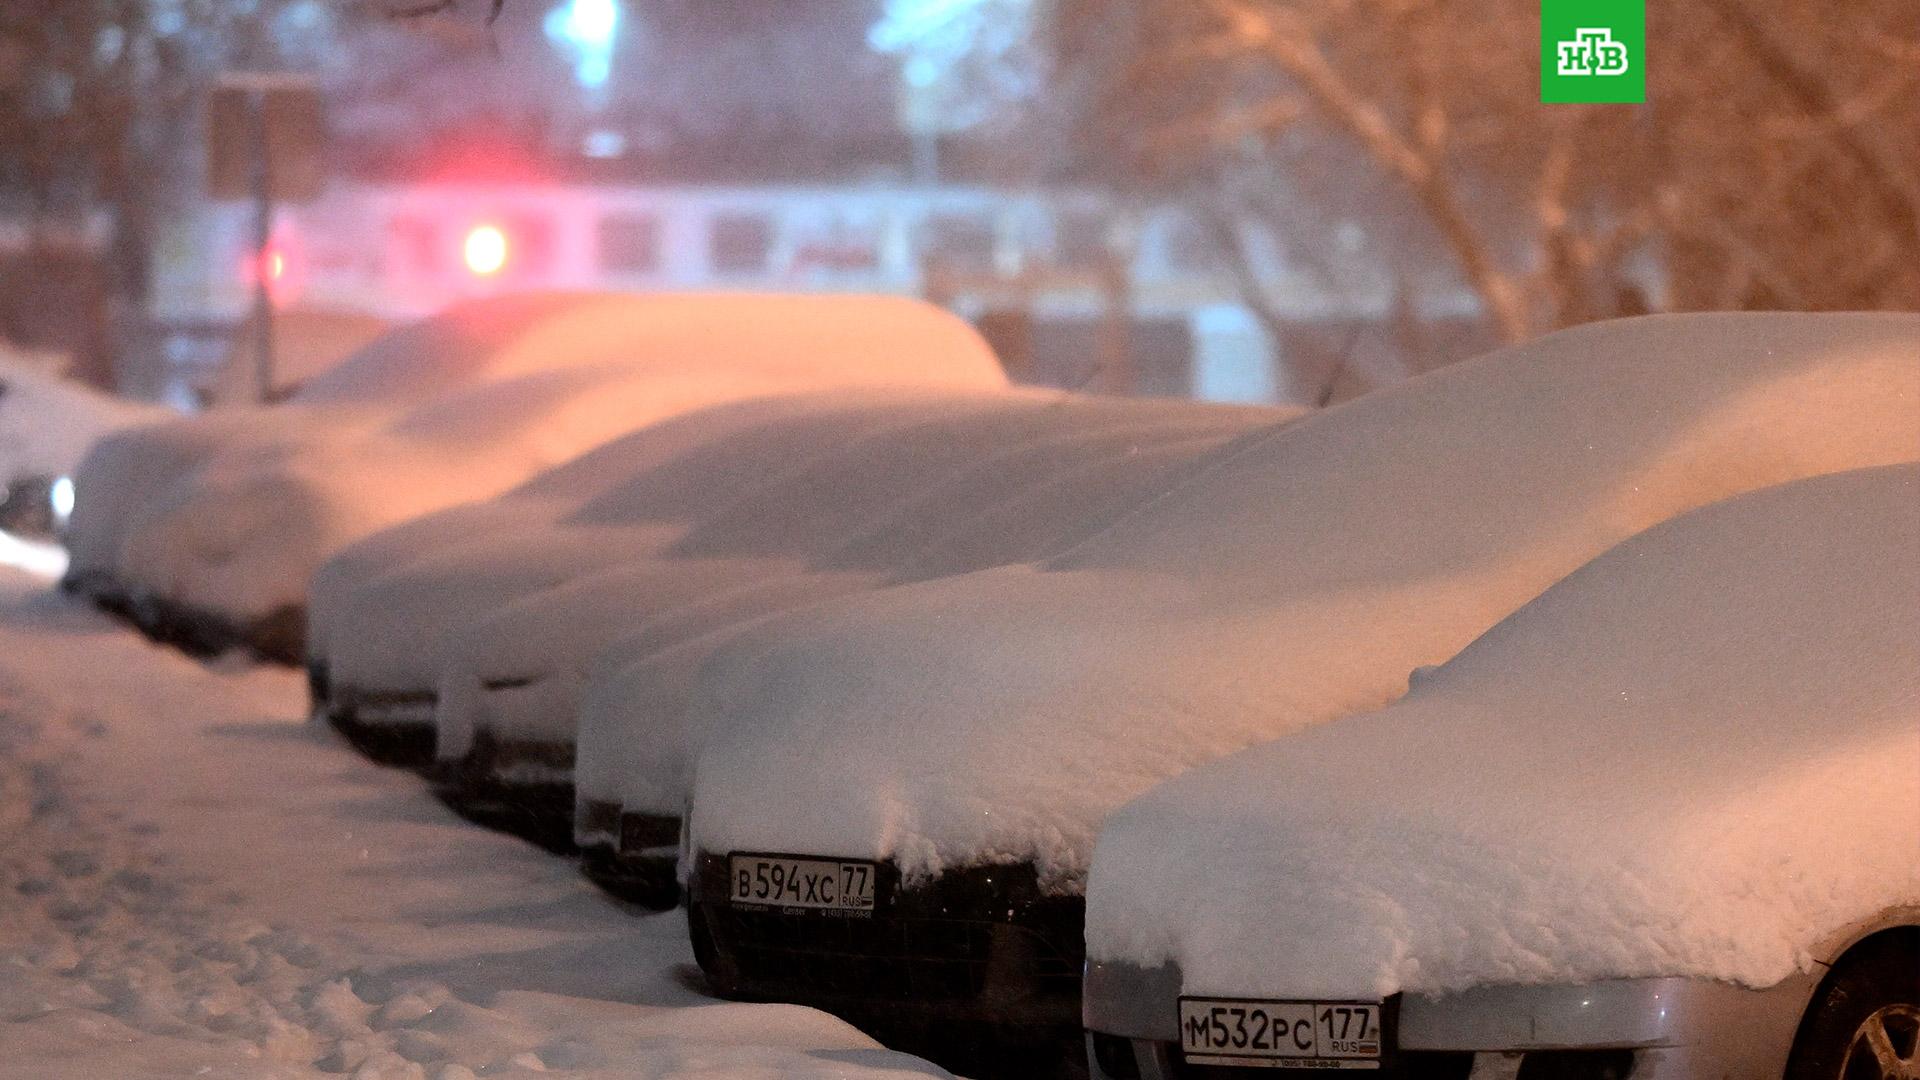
(507, 701)
(47, 423)
(632, 763)
(129, 476)
(214, 525)
(386, 608)
(1662, 822)
(945, 752)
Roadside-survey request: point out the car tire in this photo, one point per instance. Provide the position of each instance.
(1864, 1021)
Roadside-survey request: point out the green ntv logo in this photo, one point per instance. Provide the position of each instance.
(1593, 50)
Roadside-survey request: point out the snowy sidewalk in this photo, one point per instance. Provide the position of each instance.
(194, 881)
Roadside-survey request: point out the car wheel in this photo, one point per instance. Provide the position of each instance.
(1864, 1023)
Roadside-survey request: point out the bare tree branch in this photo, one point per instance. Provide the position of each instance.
(1281, 35)
(1890, 186)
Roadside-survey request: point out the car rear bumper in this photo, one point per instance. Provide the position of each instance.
(1667, 1029)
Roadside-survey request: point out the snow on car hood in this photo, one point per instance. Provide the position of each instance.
(1000, 717)
(637, 739)
(135, 475)
(1696, 756)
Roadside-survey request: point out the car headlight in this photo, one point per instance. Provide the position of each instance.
(60, 496)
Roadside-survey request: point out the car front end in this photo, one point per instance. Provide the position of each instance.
(1142, 1025)
(976, 968)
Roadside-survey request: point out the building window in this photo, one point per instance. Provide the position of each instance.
(739, 243)
(630, 245)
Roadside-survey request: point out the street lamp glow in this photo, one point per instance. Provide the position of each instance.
(588, 28)
(485, 250)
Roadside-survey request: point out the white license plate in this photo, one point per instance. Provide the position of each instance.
(789, 881)
(1281, 1034)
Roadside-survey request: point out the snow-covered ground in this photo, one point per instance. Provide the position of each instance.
(197, 882)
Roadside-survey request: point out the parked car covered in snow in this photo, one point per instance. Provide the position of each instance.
(129, 477)
(635, 749)
(213, 526)
(47, 423)
(858, 519)
(382, 608)
(894, 814)
(507, 695)
(1661, 822)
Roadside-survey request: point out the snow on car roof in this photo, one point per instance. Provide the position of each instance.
(999, 717)
(665, 471)
(817, 512)
(785, 529)
(549, 377)
(1696, 756)
(384, 630)
(869, 339)
(307, 341)
(243, 534)
(982, 516)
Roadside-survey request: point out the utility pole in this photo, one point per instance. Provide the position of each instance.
(264, 139)
(262, 185)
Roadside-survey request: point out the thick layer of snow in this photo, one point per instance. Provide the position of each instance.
(849, 339)
(307, 342)
(240, 518)
(48, 422)
(246, 533)
(394, 626)
(860, 516)
(200, 884)
(1001, 716)
(1699, 755)
(440, 569)
(132, 477)
(637, 742)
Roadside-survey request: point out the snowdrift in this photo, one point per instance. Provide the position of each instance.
(1696, 756)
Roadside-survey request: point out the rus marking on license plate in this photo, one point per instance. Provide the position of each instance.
(792, 881)
(1281, 1034)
